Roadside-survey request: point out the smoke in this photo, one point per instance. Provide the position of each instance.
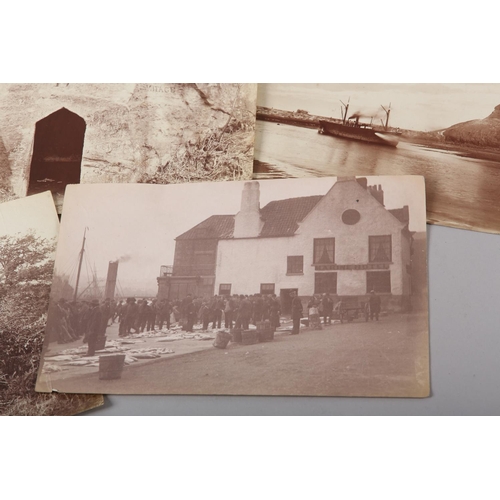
(123, 258)
(368, 113)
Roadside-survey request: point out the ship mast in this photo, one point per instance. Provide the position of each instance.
(387, 113)
(345, 109)
(79, 266)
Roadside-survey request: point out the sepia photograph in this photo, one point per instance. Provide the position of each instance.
(56, 134)
(286, 287)
(28, 233)
(448, 133)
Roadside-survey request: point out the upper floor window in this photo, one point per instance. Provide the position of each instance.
(324, 251)
(295, 264)
(380, 248)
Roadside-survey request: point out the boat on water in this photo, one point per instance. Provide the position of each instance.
(352, 128)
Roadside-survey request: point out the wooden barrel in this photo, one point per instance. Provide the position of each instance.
(249, 337)
(236, 335)
(111, 366)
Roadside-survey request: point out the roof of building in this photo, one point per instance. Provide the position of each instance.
(402, 214)
(216, 226)
(280, 218)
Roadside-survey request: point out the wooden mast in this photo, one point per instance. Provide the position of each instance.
(387, 113)
(79, 266)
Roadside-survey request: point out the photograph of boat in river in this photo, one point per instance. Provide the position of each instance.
(449, 133)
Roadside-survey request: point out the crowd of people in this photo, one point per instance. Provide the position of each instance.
(90, 319)
(235, 311)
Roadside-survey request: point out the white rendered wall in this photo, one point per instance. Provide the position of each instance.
(246, 263)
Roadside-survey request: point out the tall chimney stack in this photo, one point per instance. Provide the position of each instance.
(109, 293)
(247, 223)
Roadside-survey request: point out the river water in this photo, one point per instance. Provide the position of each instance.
(461, 192)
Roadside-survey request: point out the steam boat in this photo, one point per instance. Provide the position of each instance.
(351, 128)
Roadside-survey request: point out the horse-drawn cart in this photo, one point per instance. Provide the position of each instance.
(350, 308)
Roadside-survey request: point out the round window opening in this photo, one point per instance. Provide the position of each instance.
(351, 217)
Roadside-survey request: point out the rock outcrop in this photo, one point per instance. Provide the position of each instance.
(485, 132)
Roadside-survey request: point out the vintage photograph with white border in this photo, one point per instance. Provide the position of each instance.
(274, 287)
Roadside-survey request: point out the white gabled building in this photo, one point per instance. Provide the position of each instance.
(345, 243)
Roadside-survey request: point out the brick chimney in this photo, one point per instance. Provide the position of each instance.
(377, 192)
(247, 223)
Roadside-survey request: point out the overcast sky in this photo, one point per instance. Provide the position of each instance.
(429, 106)
(139, 222)
(35, 213)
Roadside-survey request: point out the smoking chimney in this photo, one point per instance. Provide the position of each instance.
(109, 293)
(247, 223)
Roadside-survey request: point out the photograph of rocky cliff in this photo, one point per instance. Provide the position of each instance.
(52, 135)
(449, 133)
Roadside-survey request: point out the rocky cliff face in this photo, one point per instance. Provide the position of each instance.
(131, 130)
(485, 132)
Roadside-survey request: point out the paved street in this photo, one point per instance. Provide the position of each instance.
(385, 358)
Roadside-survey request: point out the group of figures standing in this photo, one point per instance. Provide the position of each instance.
(238, 311)
(90, 319)
(87, 319)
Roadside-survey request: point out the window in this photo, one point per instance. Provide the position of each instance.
(225, 289)
(380, 248)
(380, 281)
(351, 217)
(266, 288)
(325, 283)
(324, 251)
(295, 264)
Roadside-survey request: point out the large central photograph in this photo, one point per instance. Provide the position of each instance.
(274, 287)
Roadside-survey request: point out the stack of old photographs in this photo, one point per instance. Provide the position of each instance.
(304, 273)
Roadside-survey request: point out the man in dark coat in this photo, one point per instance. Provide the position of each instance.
(190, 313)
(245, 312)
(228, 312)
(151, 318)
(327, 304)
(274, 311)
(122, 328)
(216, 306)
(130, 317)
(258, 306)
(296, 313)
(164, 311)
(95, 325)
(375, 304)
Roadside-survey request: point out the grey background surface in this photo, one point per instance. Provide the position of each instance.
(464, 299)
